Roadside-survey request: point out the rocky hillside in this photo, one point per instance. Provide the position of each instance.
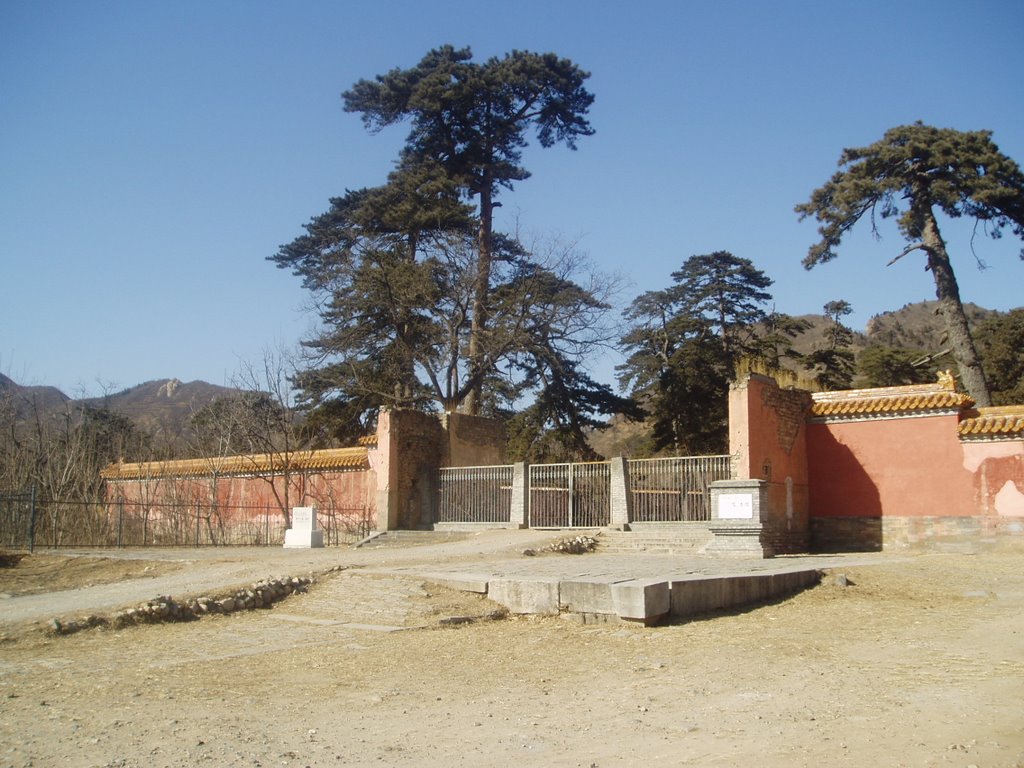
(917, 326)
(914, 327)
(164, 406)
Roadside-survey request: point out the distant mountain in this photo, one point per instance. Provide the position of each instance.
(815, 337)
(162, 408)
(24, 399)
(916, 327)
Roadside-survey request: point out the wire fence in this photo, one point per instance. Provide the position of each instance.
(27, 523)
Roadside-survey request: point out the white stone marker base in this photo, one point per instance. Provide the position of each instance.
(294, 539)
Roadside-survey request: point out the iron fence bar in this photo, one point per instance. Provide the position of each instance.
(32, 520)
(572, 494)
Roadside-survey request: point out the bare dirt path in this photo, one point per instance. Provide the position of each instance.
(91, 582)
(920, 662)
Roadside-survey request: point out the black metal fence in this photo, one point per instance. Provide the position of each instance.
(17, 519)
(27, 522)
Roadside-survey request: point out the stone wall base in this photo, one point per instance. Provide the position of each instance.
(786, 540)
(924, 533)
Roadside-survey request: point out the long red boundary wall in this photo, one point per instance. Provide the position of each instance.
(386, 484)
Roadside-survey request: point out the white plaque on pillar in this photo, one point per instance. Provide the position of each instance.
(736, 506)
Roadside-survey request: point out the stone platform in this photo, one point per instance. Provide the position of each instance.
(637, 588)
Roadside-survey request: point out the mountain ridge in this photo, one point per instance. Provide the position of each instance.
(164, 406)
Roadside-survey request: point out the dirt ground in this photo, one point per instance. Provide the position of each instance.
(917, 662)
(39, 573)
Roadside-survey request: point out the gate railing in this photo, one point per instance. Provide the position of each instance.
(675, 489)
(570, 495)
(475, 494)
(580, 495)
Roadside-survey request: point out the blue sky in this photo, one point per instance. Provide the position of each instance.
(152, 155)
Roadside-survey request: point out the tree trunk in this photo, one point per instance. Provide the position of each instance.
(948, 292)
(481, 291)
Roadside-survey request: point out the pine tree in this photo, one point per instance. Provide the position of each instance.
(910, 174)
(684, 345)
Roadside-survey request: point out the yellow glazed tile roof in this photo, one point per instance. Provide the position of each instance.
(1006, 421)
(886, 401)
(332, 458)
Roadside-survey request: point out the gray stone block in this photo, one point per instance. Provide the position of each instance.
(587, 595)
(525, 596)
(645, 600)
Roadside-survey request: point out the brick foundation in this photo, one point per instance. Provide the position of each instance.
(937, 533)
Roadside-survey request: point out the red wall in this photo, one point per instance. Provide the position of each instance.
(250, 496)
(910, 467)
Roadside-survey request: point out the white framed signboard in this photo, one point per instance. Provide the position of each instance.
(736, 506)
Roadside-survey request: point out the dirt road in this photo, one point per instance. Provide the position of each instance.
(918, 662)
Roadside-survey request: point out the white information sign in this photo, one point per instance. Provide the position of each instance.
(736, 506)
(303, 519)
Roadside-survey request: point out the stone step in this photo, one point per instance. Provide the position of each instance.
(411, 538)
(655, 541)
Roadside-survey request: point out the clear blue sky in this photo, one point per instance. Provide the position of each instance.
(152, 155)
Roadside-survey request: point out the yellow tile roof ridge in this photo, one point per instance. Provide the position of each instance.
(876, 393)
(327, 458)
(1000, 420)
(945, 383)
(940, 395)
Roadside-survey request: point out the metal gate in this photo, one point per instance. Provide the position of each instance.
(474, 494)
(570, 495)
(675, 489)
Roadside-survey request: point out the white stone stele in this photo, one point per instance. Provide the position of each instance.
(304, 533)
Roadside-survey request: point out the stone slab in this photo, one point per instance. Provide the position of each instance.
(538, 596)
(645, 600)
(587, 595)
(695, 596)
(464, 582)
(377, 627)
(305, 619)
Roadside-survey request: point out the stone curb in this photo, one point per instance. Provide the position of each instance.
(165, 609)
